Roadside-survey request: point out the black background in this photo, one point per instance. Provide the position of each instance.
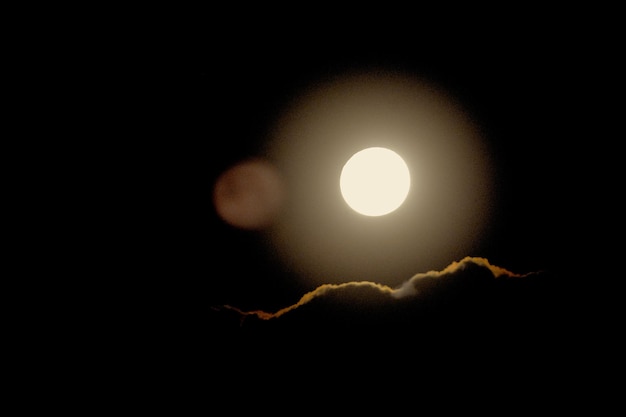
(214, 98)
(192, 102)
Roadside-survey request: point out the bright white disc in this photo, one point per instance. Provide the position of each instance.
(375, 181)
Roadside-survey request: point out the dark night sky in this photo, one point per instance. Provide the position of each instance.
(215, 103)
(226, 97)
(212, 99)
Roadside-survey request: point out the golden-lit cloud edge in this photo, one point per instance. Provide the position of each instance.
(408, 289)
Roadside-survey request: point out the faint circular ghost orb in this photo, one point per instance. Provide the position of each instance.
(375, 181)
(249, 195)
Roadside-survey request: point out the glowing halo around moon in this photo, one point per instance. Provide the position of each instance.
(442, 218)
(375, 181)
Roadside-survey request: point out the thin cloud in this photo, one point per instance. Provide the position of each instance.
(413, 287)
(320, 291)
(410, 287)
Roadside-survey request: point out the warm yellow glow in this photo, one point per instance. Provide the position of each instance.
(375, 181)
(447, 209)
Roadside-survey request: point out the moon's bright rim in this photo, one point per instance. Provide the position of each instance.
(375, 181)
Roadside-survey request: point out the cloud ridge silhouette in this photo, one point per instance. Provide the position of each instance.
(418, 285)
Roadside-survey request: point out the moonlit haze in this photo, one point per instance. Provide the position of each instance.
(320, 238)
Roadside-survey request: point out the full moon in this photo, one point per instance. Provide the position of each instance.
(375, 181)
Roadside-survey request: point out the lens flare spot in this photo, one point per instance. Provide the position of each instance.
(249, 195)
